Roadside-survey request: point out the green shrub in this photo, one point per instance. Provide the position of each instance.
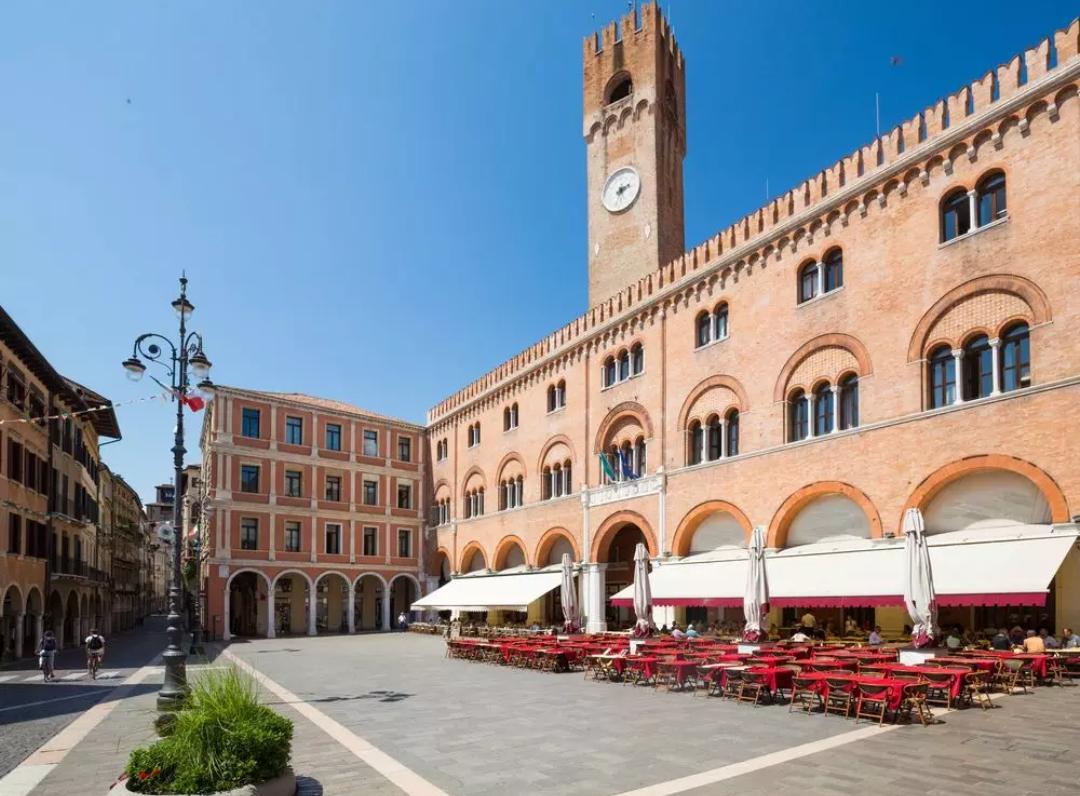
(222, 739)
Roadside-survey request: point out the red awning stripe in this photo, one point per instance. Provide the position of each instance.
(1036, 598)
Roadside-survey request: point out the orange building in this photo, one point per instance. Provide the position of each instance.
(896, 331)
(314, 519)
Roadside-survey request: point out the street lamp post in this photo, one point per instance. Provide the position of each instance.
(175, 360)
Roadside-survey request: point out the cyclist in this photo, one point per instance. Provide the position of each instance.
(46, 653)
(95, 651)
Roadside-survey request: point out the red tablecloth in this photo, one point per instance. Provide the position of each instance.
(956, 686)
(776, 677)
(683, 670)
(770, 660)
(835, 663)
(896, 687)
(982, 664)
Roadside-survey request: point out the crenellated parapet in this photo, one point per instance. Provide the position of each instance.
(965, 124)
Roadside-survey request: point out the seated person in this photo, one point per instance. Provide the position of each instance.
(665, 629)
(851, 627)
(1049, 641)
(1001, 641)
(1033, 643)
(800, 637)
(1016, 636)
(676, 631)
(954, 640)
(691, 632)
(1069, 640)
(875, 636)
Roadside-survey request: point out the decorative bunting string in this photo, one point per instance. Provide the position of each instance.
(102, 408)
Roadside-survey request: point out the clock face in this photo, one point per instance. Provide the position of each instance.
(621, 189)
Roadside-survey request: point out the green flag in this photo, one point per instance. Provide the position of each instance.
(605, 465)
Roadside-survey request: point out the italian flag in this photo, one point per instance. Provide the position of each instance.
(605, 466)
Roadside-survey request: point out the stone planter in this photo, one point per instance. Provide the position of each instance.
(285, 785)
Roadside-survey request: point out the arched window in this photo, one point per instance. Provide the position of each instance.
(799, 416)
(732, 431)
(833, 263)
(637, 359)
(545, 484)
(715, 447)
(720, 322)
(704, 328)
(1015, 358)
(621, 86)
(978, 368)
(551, 398)
(568, 482)
(955, 215)
(506, 419)
(942, 379)
(808, 281)
(990, 197)
(557, 396)
(696, 443)
(849, 401)
(823, 410)
(609, 371)
(639, 457)
(624, 365)
(472, 436)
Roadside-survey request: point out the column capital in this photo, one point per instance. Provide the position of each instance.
(995, 342)
(958, 353)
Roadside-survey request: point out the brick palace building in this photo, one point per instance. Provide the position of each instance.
(895, 332)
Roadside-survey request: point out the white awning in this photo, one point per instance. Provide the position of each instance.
(512, 591)
(1003, 566)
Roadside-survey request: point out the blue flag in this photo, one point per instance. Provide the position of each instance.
(625, 466)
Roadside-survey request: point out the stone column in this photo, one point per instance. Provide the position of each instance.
(593, 599)
(19, 619)
(995, 366)
(226, 632)
(820, 279)
(958, 358)
(39, 629)
(835, 395)
(350, 607)
(313, 603)
(973, 209)
(386, 624)
(811, 415)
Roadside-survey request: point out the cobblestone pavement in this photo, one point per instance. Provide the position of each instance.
(32, 711)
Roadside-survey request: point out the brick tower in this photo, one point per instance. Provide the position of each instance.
(635, 136)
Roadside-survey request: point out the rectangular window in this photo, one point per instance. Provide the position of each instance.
(249, 427)
(294, 484)
(333, 539)
(371, 541)
(404, 445)
(249, 478)
(404, 543)
(333, 437)
(294, 430)
(15, 459)
(14, 533)
(404, 496)
(371, 493)
(249, 533)
(333, 487)
(292, 537)
(371, 443)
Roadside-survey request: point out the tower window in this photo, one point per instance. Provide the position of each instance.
(620, 87)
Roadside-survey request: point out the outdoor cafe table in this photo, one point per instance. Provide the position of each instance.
(956, 687)
(770, 660)
(831, 663)
(776, 677)
(682, 670)
(988, 665)
(1038, 661)
(896, 687)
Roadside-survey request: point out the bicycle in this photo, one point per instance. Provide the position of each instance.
(93, 663)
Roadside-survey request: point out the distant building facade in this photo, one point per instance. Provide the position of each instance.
(315, 515)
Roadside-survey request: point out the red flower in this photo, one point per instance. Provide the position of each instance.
(143, 776)
(155, 772)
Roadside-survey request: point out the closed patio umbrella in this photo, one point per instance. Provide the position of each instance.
(919, 594)
(642, 592)
(756, 596)
(569, 596)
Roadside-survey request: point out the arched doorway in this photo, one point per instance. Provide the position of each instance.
(247, 604)
(32, 624)
(54, 618)
(616, 542)
(292, 595)
(712, 527)
(404, 591)
(369, 603)
(10, 616)
(549, 552)
(332, 594)
(473, 559)
(988, 503)
(72, 620)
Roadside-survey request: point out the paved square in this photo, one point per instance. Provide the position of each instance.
(481, 729)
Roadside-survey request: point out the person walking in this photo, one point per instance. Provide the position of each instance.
(47, 655)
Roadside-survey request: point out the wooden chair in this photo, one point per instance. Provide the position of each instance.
(939, 689)
(840, 696)
(1056, 672)
(753, 689)
(914, 702)
(1012, 675)
(976, 689)
(733, 683)
(871, 702)
(805, 692)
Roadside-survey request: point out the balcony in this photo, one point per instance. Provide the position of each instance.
(623, 490)
(67, 567)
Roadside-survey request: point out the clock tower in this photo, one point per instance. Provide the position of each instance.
(635, 138)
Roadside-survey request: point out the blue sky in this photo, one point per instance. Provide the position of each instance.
(377, 202)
